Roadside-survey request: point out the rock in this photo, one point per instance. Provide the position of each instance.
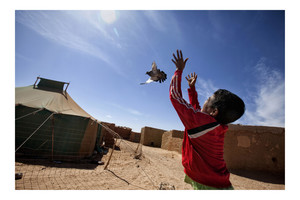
(166, 186)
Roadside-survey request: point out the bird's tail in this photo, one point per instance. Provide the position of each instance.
(148, 81)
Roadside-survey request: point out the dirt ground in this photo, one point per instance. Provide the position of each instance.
(156, 169)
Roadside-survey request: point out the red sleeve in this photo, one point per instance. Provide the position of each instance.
(193, 96)
(190, 116)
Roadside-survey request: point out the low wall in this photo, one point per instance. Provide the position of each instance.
(172, 140)
(124, 132)
(135, 137)
(106, 136)
(254, 148)
(151, 136)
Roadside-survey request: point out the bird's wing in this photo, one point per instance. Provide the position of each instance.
(162, 76)
(154, 67)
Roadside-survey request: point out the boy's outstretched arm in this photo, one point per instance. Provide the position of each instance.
(186, 112)
(193, 96)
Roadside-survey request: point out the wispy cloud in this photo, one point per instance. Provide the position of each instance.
(78, 30)
(266, 105)
(25, 58)
(162, 21)
(205, 88)
(108, 116)
(269, 100)
(127, 109)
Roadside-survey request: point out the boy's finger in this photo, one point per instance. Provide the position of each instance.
(186, 60)
(175, 57)
(181, 54)
(178, 54)
(173, 61)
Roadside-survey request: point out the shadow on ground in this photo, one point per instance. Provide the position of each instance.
(87, 164)
(266, 177)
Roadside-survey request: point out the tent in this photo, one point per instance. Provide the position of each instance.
(49, 123)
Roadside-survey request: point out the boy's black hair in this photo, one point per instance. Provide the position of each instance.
(230, 106)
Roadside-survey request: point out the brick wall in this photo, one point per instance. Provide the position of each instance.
(172, 140)
(106, 136)
(255, 148)
(151, 136)
(135, 137)
(124, 132)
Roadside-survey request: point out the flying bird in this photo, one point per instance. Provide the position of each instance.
(155, 75)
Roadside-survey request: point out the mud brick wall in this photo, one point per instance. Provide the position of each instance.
(172, 140)
(106, 136)
(151, 136)
(135, 137)
(124, 132)
(255, 148)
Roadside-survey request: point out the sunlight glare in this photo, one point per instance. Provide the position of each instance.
(108, 16)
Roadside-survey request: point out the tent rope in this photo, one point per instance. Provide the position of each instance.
(121, 140)
(29, 114)
(34, 132)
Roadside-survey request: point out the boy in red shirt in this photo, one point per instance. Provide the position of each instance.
(203, 142)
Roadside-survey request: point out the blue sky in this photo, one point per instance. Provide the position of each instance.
(104, 56)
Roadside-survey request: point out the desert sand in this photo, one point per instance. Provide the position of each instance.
(155, 169)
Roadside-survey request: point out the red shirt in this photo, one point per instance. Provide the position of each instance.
(203, 142)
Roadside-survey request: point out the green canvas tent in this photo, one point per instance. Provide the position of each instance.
(49, 123)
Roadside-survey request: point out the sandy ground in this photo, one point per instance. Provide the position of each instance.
(157, 169)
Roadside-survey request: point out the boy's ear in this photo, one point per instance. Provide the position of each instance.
(214, 113)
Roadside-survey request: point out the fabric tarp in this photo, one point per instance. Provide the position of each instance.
(52, 101)
(61, 136)
(70, 132)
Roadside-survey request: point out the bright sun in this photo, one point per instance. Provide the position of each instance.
(108, 16)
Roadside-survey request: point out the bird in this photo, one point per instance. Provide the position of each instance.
(155, 75)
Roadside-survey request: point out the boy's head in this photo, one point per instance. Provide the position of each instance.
(224, 106)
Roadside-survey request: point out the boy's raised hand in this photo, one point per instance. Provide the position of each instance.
(192, 79)
(179, 62)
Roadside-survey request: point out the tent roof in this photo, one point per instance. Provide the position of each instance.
(58, 102)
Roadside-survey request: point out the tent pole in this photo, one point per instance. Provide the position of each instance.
(36, 81)
(52, 136)
(115, 141)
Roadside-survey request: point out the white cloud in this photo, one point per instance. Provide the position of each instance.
(108, 116)
(269, 100)
(78, 30)
(266, 106)
(205, 88)
(126, 109)
(162, 21)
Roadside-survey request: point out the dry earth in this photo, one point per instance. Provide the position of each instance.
(156, 169)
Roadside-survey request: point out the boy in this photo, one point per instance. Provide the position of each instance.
(203, 143)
